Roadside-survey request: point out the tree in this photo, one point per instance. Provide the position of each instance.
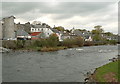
(82, 30)
(98, 29)
(68, 31)
(52, 40)
(59, 28)
(109, 34)
(36, 23)
(97, 33)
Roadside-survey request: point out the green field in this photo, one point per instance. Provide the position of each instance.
(108, 72)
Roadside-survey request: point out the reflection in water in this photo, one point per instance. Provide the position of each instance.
(68, 65)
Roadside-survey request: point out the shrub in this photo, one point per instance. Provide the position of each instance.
(37, 43)
(52, 41)
(9, 44)
(78, 41)
(20, 43)
(113, 42)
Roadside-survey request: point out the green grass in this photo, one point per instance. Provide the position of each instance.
(111, 67)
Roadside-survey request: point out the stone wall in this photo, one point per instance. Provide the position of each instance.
(8, 27)
(26, 27)
(1, 30)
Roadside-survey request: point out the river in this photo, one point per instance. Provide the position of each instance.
(68, 65)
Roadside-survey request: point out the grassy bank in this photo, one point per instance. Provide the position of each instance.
(49, 44)
(107, 73)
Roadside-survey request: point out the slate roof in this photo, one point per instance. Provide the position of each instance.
(78, 33)
(54, 30)
(37, 26)
(21, 32)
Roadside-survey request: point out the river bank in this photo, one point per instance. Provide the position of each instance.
(106, 73)
(47, 49)
(41, 49)
(42, 46)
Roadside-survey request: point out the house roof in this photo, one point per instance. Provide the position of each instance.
(54, 30)
(85, 34)
(65, 34)
(78, 33)
(37, 26)
(35, 33)
(21, 32)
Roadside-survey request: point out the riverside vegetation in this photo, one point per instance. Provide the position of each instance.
(51, 44)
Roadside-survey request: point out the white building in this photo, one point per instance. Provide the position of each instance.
(40, 28)
(47, 31)
(89, 38)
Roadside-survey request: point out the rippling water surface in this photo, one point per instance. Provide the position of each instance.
(68, 65)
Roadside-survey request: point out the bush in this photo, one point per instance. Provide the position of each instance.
(52, 41)
(37, 43)
(20, 43)
(68, 42)
(113, 42)
(78, 41)
(9, 44)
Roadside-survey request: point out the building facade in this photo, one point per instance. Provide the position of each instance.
(40, 28)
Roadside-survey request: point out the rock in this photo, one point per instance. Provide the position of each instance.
(113, 59)
(2, 50)
(86, 79)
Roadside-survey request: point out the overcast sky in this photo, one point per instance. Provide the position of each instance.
(80, 15)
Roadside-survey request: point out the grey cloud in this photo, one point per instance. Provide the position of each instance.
(62, 0)
(70, 9)
(61, 12)
(18, 7)
(64, 9)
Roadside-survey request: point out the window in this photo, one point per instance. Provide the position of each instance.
(38, 29)
(32, 29)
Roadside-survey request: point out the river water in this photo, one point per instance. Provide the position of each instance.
(68, 65)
